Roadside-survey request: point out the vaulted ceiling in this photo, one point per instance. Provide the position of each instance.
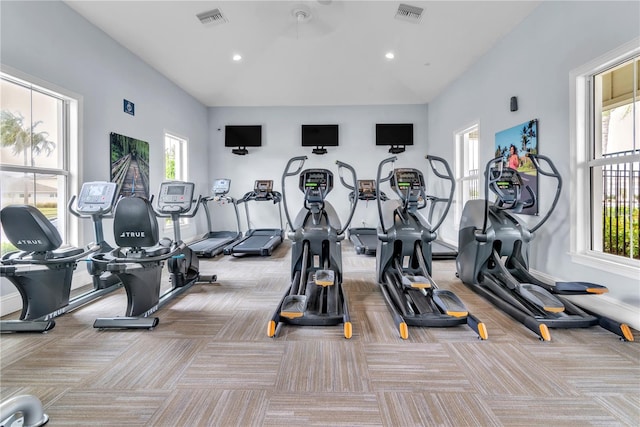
(308, 52)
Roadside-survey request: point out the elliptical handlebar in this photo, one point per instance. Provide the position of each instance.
(449, 177)
(489, 179)
(348, 186)
(553, 174)
(286, 174)
(378, 181)
(342, 165)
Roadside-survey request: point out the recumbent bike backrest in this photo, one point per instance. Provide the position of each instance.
(29, 230)
(135, 224)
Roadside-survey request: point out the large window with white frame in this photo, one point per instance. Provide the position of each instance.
(34, 149)
(467, 142)
(606, 142)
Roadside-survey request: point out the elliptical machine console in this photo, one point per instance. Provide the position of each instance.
(316, 185)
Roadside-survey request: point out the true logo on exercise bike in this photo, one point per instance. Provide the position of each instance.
(29, 242)
(129, 234)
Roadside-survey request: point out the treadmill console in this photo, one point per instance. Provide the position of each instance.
(221, 187)
(316, 184)
(407, 182)
(96, 196)
(175, 196)
(366, 189)
(263, 187)
(506, 183)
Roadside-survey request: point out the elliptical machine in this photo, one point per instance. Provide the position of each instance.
(41, 271)
(139, 259)
(490, 233)
(403, 258)
(315, 296)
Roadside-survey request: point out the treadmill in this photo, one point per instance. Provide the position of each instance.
(260, 241)
(440, 250)
(214, 242)
(365, 239)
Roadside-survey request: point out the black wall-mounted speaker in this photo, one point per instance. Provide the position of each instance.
(514, 103)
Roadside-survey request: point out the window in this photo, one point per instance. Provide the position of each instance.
(614, 161)
(175, 163)
(466, 168)
(34, 149)
(606, 172)
(175, 156)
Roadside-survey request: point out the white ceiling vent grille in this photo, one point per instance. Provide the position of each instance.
(409, 13)
(212, 17)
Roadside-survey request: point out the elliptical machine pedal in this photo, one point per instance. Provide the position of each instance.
(325, 278)
(415, 282)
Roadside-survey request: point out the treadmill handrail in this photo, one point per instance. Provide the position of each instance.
(205, 204)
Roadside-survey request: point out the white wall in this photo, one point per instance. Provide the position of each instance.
(281, 134)
(51, 42)
(533, 63)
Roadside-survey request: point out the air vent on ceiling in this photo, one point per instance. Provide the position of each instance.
(213, 17)
(409, 13)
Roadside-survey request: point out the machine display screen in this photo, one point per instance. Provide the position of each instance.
(264, 185)
(367, 186)
(97, 190)
(315, 178)
(175, 190)
(407, 178)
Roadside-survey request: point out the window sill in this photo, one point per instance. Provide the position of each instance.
(613, 264)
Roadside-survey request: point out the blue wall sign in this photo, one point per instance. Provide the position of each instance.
(129, 107)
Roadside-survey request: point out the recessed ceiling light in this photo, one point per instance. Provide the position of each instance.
(237, 57)
(389, 55)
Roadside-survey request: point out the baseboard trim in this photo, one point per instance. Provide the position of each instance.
(603, 305)
(10, 303)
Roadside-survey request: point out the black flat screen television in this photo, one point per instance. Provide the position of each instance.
(319, 135)
(243, 136)
(394, 134)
